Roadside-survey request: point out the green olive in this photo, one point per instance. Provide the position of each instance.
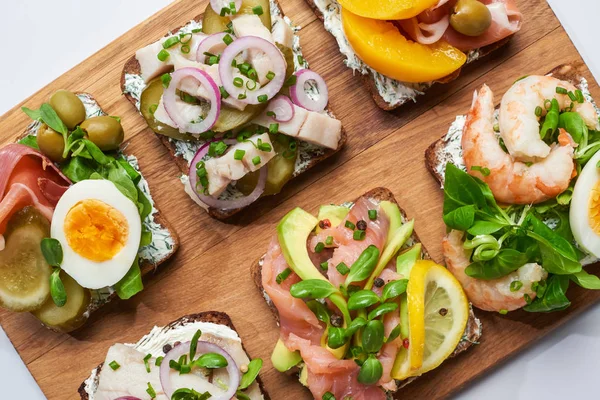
(471, 18)
(104, 131)
(51, 143)
(68, 107)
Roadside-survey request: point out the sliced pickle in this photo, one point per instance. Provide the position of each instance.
(212, 22)
(231, 118)
(150, 99)
(279, 170)
(24, 273)
(70, 316)
(288, 54)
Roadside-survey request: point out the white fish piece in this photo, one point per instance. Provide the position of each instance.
(218, 176)
(282, 32)
(322, 130)
(162, 116)
(130, 379)
(251, 25)
(290, 128)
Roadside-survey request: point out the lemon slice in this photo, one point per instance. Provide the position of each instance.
(438, 311)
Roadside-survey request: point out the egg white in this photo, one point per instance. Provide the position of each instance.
(92, 274)
(579, 213)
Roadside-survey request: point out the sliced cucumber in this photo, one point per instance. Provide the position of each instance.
(24, 273)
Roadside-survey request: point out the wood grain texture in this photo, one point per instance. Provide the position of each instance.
(212, 269)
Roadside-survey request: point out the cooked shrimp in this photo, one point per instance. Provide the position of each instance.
(492, 295)
(519, 124)
(511, 181)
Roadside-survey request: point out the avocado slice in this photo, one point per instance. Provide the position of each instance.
(395, 216)
(283, 359)
(407, 259)
(335, 214)
(303, 378)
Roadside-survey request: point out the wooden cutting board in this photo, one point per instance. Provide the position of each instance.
(211, 271)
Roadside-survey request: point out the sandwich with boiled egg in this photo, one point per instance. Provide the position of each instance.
(78, 225)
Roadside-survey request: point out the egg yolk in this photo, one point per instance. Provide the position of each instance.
(95, 230)
(594, 208)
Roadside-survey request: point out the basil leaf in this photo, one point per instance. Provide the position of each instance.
(29, 141)
(191, 394)
(382, 309)
(320, 311)
(131, 284)
(51, 118)
(460, 189)
(394, 289)
(52, 251)
(370, 371)
(77, 169)
(362, 299)
(573, 123)
(33, 114)
(354, 326)
(507, 261)
(485, 228)
(363, 266)
(313, 288)
(393, 334)
(554, 298)
(336, 337)
(585, 280)
(211, 360)
(461, 218)
(372, 336)
(249, 377)
(57, 289)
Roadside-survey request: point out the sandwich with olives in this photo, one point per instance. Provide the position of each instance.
(361, 308)
(231, 97)
(78, 225)
(196, 357)
(403, 47)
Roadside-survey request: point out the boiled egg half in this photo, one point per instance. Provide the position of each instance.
(584, 215)
(99, 230)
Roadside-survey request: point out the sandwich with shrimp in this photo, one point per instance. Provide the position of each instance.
(361, 309)
(401, 48)
(231, 97)
(198, 356)
(520, 193)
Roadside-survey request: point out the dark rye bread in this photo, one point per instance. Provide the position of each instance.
(369, 82)
(572, 73)
(146, 266)
(214, 317)
(473, 330)
(132, 66)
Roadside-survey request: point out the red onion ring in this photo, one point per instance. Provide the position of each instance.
(218, 5)
(213, 44)
(301, 98)
(272, 52)
(282, 107)
(214, 96)
(225, 204)
(203, 348)
(128, 398)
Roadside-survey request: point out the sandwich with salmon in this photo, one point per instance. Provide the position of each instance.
(78, 225)
(401, 48)
(231, 97)
(521, 193)
(196, 357)
(361, 308)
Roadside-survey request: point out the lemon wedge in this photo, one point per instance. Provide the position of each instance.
(438, 311)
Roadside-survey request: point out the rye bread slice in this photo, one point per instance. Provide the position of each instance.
(214, 317)
(132, 66)
(472, 331)
(572, 73)
(146, 266)
(369, 81)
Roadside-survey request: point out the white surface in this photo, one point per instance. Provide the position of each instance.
(564, 365)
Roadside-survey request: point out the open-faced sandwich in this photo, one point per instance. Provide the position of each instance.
(196, 357)
(402, 47)
(521, 193)
(231, 97)
(362, 310)
(78, 225)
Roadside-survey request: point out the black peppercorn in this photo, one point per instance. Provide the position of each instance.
(361, 225)
(378, 282)
(443, 312)
(336, 320)
(167, 348)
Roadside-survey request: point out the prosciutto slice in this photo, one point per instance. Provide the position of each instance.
(28, 178)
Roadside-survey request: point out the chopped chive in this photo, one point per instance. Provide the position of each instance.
(319, 247)
(239, 154)
(342, 268)
(232, 8)
(224, 11)
(197, 30)
(503, 312)
(300, 60)
(270, 75)
(224, 93)
(579, 95)
(151, 392)
(153, 108)
(166, 79)
(185, 369)
(244, 68)
(349, 225)
(561, 90)
(484, 171)
(325, 266)
(185, 49)
(328, 396)
(515, 285)
(372, 215)
(182, 360)
(271, 114)
(273, 128)
(291, 81)
(283, 276)
(163, 55)
(572, 96)
(174, 365)
(212, 60)
(158, 361)
(234, 63)
(146, 364)
(170, 42)
(114, 365)
(263, 98)
(252, 74)
(527, 298)
(359, 234)
(238, 82)
(251, 85)
(266, 147)
(256, 160)
(329, 240)
(538, 111)
(185, 38)
(258, 10)
(241, 96)
(547, 104)
(228, 39)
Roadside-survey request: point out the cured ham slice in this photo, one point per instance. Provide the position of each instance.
(28, 178)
